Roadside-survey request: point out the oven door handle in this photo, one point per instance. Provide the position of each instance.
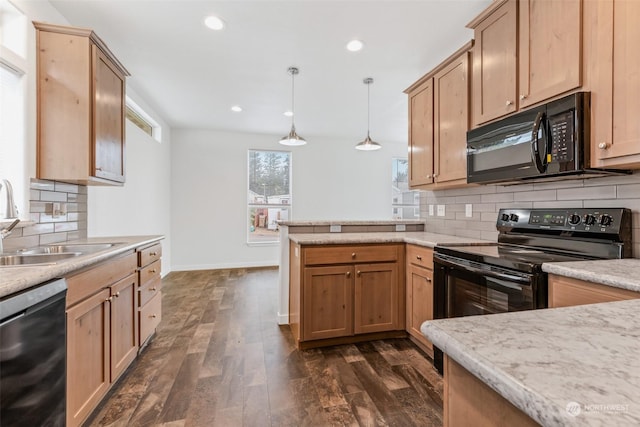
(488, 273)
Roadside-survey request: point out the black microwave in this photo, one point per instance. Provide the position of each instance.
(551, 140)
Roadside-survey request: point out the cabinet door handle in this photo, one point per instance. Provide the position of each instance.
(353, 255)
(153, 316)
(358, 273)
(117, 294)
(153, 270)
(428, 279)
(153, 253)
(419, 257)
(152, 289)
(508, 103)
(604, 145)
(109, 299)
(523, 97)
(348, 274)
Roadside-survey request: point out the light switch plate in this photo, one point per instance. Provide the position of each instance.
(335, 228)
(441, 210)
(401, 227)
(468, 210)
(430, 210)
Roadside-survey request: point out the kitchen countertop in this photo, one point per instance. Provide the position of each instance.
(421, 238)
(619, 273)
(17, 278)
(352, 222)
(548, 361)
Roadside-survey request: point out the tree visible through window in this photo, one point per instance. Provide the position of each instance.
(405, 203)
(269, 194)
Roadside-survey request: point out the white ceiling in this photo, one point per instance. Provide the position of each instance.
(192, 75)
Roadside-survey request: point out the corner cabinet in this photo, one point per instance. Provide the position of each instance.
(419, 293)
(526, 51)
(612, 60)
(345, 293)
(81, 107)
(438, 124)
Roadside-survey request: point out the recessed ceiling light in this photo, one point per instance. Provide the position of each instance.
(288, 113)
(236, 108)
(214, 22)
(354, 45)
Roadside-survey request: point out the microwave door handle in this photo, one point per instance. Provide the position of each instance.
(535, 143)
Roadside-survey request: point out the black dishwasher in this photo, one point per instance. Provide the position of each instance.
(33, 356)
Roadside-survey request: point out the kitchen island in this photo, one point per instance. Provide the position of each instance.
(563, 366)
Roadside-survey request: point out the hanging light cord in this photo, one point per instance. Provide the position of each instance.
(368, 105)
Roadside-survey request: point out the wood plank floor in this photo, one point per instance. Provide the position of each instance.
(220, 359)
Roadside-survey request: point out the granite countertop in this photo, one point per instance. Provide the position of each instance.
(352, 222)
(563, 366)
(421, 238)
(17, 278)
(619, 273)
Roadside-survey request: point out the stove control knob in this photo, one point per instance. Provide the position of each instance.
(513, 217)
(589, 219)
(574, 219)
(504, 217)
(605, 220)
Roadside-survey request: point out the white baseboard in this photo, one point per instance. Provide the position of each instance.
(224, 266)
(283, 319)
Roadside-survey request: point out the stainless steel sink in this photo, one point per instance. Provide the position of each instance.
(82, 248)
(34, 259)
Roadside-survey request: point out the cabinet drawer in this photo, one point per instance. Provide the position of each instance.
(350, 254)
(148, 255)
(149, 290)
(419, 255)
(88, 282)
(150, 317)
(150, 272)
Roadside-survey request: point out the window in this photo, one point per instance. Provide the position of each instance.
(405, 203)
(136, 115)
(268, 195)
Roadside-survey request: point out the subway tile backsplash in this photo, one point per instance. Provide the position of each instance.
(50, 228)
(487, 200)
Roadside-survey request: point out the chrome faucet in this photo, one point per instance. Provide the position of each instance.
(6, 231)
(11, 211)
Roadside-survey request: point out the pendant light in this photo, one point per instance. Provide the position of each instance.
(292, 139)
(368, 144)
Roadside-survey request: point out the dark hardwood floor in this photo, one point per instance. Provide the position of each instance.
(219, 358)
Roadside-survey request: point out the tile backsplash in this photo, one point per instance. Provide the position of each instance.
(70, 224)
(487, 200)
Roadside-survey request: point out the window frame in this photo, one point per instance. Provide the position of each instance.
(403, 206)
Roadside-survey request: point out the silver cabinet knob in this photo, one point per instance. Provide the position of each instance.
(509, 103)
(604, 145)
(419, 258)
(523, 97)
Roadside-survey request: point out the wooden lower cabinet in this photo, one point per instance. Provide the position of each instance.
(344, 299)
(88, 355)
(566, 291)
(469, 402)
(124, 324)
(419, 304)
(149, 291)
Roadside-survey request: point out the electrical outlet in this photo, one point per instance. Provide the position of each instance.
(401, 227)
(335, 228)
(441, 211)
(430, 210)
(468, 210)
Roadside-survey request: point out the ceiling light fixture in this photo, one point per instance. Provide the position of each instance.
(368, 144)
(292, 139)
(214, 22)
(236, 108)
(354, 45)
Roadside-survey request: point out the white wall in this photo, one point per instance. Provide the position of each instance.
(331, 180)
(143, 205)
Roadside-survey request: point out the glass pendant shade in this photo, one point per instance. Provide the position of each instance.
(292, 139)
(368, 144)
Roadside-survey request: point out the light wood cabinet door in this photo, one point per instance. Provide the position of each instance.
(550, 49)
(124, 324)
(419, 301)
(451, 118)
(88, 354)
(495, 64)
(376, 298)
(566, 291)
(421, 135)
(327, 302)
(108, 118)
(612, 64)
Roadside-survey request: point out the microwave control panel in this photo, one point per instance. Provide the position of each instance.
(561, 129)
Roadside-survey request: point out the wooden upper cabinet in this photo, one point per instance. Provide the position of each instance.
(421, 134)
(494, 64)
(438, 124)
(451, 121)
(612, 61)
(550, 49)
(81, 107)
(526, 52)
